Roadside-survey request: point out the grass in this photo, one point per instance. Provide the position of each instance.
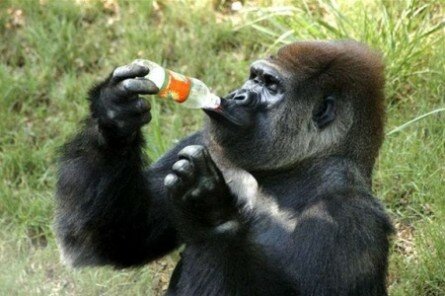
(52, 51)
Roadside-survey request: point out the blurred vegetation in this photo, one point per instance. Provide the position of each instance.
(53, 51)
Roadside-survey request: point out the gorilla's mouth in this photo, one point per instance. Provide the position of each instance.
(227, 114)
(222, 117)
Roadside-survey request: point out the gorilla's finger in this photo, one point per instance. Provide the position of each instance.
(173, 185)
(129, 71)
(197, 154)
(200, 157)
(184, 169)
(135, 107)
(139, 86)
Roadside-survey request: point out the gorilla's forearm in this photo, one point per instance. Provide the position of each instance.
(107, 212)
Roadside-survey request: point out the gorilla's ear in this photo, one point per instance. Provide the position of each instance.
(325, 113)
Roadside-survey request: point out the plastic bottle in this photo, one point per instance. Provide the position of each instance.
(190, 92)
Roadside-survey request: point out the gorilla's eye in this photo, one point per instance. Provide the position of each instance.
(271, 82)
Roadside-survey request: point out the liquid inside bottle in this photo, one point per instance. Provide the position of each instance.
(190, 92)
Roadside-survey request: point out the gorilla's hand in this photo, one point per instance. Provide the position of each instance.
(198, 189)
(116, 103)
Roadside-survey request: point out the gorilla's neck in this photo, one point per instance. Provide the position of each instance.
(333, 172)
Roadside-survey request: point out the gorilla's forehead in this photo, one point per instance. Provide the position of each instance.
(266, 63)
(299, 60)
(344, 61)
(305, 56)
(269, 66)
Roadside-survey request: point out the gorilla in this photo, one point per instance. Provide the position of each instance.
(272, 197)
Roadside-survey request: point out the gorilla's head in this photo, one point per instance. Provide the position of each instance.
(310, 100)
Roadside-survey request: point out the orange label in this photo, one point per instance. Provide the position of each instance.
(177, 87)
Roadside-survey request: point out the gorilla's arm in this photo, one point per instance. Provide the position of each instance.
(110, 209)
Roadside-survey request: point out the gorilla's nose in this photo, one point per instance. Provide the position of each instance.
(243, 97)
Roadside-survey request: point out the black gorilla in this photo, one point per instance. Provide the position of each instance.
(272, 197)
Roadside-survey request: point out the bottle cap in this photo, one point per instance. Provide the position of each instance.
(157, 73)
(213, 102)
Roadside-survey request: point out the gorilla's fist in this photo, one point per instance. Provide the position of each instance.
(116, 103)
(198, 190)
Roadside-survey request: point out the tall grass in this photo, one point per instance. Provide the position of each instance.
(52, 51)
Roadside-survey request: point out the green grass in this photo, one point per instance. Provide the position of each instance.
(52, 52)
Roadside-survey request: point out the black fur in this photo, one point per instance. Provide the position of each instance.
(266, 201)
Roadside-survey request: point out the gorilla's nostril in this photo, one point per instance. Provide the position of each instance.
(243, 97)
(240, 97)
(242, 100)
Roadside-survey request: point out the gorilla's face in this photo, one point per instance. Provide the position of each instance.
(294, 105)
(244, 126)
(248, 107)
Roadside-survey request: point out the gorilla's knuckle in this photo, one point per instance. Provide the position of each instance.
(170, 180)
(118, 71)
(142, 106)
(121, 124)
(111, 114)
(146, 118)
(196, 193)
(126, 84)
(197, 151)
(192, 151)
(182, 165)
(209, 184)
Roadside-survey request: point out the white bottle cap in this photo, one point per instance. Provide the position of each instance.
(213, 102)
(157, 73)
